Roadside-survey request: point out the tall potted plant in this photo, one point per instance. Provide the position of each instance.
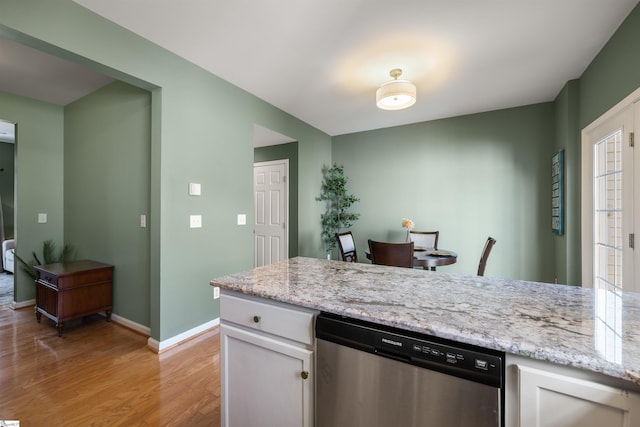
(338, 200)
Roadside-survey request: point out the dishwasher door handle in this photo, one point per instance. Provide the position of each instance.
(393, 356)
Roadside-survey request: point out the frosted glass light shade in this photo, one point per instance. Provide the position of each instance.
(396, 95)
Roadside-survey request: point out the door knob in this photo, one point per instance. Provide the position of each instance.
(304, 375)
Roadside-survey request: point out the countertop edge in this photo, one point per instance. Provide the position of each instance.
(238, 283)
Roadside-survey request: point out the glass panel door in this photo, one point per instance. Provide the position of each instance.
(611, 195)
(608, 212)
(608, 204)
(608, 277)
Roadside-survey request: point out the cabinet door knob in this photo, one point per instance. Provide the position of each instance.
(256, 319)
(304, 375)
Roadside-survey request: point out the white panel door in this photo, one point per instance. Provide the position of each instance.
(270, 189)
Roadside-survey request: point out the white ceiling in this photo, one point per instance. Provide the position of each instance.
(322, 60)
(34, 74)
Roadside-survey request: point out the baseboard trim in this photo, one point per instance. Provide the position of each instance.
(153, 344)
(22, 304)
(130, 324)
(160, 346)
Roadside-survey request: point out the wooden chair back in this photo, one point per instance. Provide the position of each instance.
(347, 246)
(485, 255)
(393, 254)
(425, 239)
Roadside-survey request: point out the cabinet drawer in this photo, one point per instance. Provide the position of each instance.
(271, 317)
(47, 280)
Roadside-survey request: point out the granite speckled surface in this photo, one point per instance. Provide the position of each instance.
(597, 331)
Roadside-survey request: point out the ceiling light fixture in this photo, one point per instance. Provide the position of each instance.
(396, 94)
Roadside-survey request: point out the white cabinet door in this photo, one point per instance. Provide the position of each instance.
(550, 400)
(263, 380)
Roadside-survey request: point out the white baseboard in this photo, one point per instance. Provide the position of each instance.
(159, 346)
(22, 304)
(153, 344)
(130, 324)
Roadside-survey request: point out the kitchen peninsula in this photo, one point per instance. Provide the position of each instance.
(556, 325)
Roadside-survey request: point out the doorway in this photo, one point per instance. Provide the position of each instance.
(611, 199)
(7, 208)
(271, 206)
(271, 146)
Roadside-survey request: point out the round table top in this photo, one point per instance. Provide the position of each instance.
(434, 258)
(430, 258)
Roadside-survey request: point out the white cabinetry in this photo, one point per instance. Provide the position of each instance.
(549, 395)
(267, 363)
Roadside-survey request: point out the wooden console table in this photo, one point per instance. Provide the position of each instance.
(66, 291)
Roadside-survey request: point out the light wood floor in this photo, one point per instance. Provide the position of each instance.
(102, 374)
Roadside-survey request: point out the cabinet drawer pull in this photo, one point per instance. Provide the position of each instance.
(256, 319)
(304, 375)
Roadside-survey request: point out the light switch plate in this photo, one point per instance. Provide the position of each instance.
(242, 219)
(195, 221)
(42, 218)
(194, 189)
(143, 221)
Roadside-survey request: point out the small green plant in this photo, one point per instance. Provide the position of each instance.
(49, 256)
(334, 192)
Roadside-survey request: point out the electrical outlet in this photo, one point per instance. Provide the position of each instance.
(195, 221)
(216, 292)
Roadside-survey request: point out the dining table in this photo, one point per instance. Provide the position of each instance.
(429, 259)
(432, 258)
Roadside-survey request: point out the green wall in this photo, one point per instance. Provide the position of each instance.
(567, 246)
(278, 152)
(107, 187)
(201, 131)
(39, 178)
(468, 177)
(7, 170)
(613, 74)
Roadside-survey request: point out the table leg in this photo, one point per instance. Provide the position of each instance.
(60, 326)
(38, 316)
(108, 312)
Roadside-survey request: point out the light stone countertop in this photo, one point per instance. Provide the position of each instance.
(555, 323)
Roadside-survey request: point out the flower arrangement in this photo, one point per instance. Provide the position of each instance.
(408, 224)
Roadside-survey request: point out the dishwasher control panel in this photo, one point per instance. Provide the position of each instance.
(462, 360)
(428, 350)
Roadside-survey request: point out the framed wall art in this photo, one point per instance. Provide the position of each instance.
(557, 192)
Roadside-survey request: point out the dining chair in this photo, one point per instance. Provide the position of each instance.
(425, 239)
(393, 254)
(347, 246)
(485, 254)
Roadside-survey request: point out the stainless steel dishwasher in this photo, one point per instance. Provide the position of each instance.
(371, 375)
